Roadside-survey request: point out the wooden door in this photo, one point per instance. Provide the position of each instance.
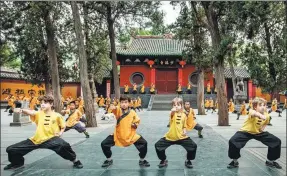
(166, 81)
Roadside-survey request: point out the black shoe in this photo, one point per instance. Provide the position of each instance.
(273, 164)
(78, 164)
(188, 164)
(107, 163)
(163, 163)
(269, 124)
(13, 166)
(87, 136)
(168, 126)
(233, 165)
(200, 136)
(279, 116)
(144, 163)
(9, 114)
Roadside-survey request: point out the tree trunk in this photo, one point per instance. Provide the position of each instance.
(110, 22)
(47, 84)
(87, 94)
(52, 55)
(200, 93)
(218, 63)
(233, 76)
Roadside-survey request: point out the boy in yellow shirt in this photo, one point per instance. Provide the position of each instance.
(206, 104)
(152, 89)
(176, 135)
(10, 98)
(74, 119)
(253, 128)
(135, 88)
(126, 91)
(50, 126)
(179, 89)
(142, 89)
(191, 123)
(188, 88)
(125, 133)
(231, 106)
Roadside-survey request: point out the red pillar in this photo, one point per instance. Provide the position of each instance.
(180, 76)
(250, 89)
(152, 74)
(108, 88)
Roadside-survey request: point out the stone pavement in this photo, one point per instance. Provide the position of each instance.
(211, 158)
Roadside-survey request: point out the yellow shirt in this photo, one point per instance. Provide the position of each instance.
(33, 102)
(179, 88)
(253, 125)
(142, 89)
(250, 104)
(190, 123)
(11, 101)
(81, 102)
(126, 88)
(102, 102)
(274, 105)
(231, 106)
(135, 104)
(285, 104)
(211, 104)
(152, 89)
(243, 110)
(124, 133)
(81, 109)
(208, 88)
(139, 102)
(135, 87)
(108, 101)
(188, 87)
(47, 126)
(177, 124)
(206, 104)
(74, 117)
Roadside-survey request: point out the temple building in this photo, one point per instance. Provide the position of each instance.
(159, 60)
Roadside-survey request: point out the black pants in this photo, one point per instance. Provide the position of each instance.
(58, 145)
(140, 144)
(198, 127)
(126, 92)
(8, 107)
(143, 92)
(239, 139)
(152, 92)
(135, 92)
(189, 91)
(188, 144)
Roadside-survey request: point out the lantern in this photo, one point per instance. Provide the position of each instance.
(150, 63)
(182, 63)
(118, 63)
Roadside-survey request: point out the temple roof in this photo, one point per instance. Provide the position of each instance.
(152, 46)
(239, 71)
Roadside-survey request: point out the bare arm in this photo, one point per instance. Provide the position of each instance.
(257, 114)
(26, 111)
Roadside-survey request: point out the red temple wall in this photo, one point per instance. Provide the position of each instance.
(127, 70)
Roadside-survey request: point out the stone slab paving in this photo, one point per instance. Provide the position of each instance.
(211, 158)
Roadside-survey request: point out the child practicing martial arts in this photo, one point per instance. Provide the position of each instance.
(125, 133)
(50, 126)
(191, 123)
(253, 128)
(176, 135)
(74, 119)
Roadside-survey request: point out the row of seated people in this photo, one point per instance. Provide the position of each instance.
(179, 89)
(134, 89)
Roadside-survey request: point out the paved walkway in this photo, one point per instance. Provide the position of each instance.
(211, 158)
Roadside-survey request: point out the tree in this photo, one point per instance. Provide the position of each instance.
(112, 12)
(90, 113)
(189, 27)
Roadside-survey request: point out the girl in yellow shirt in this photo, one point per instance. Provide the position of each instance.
(152, 89)
(253, 128)
(176, 135)
(179, 89)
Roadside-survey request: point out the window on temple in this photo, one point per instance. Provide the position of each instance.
(137, 78)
